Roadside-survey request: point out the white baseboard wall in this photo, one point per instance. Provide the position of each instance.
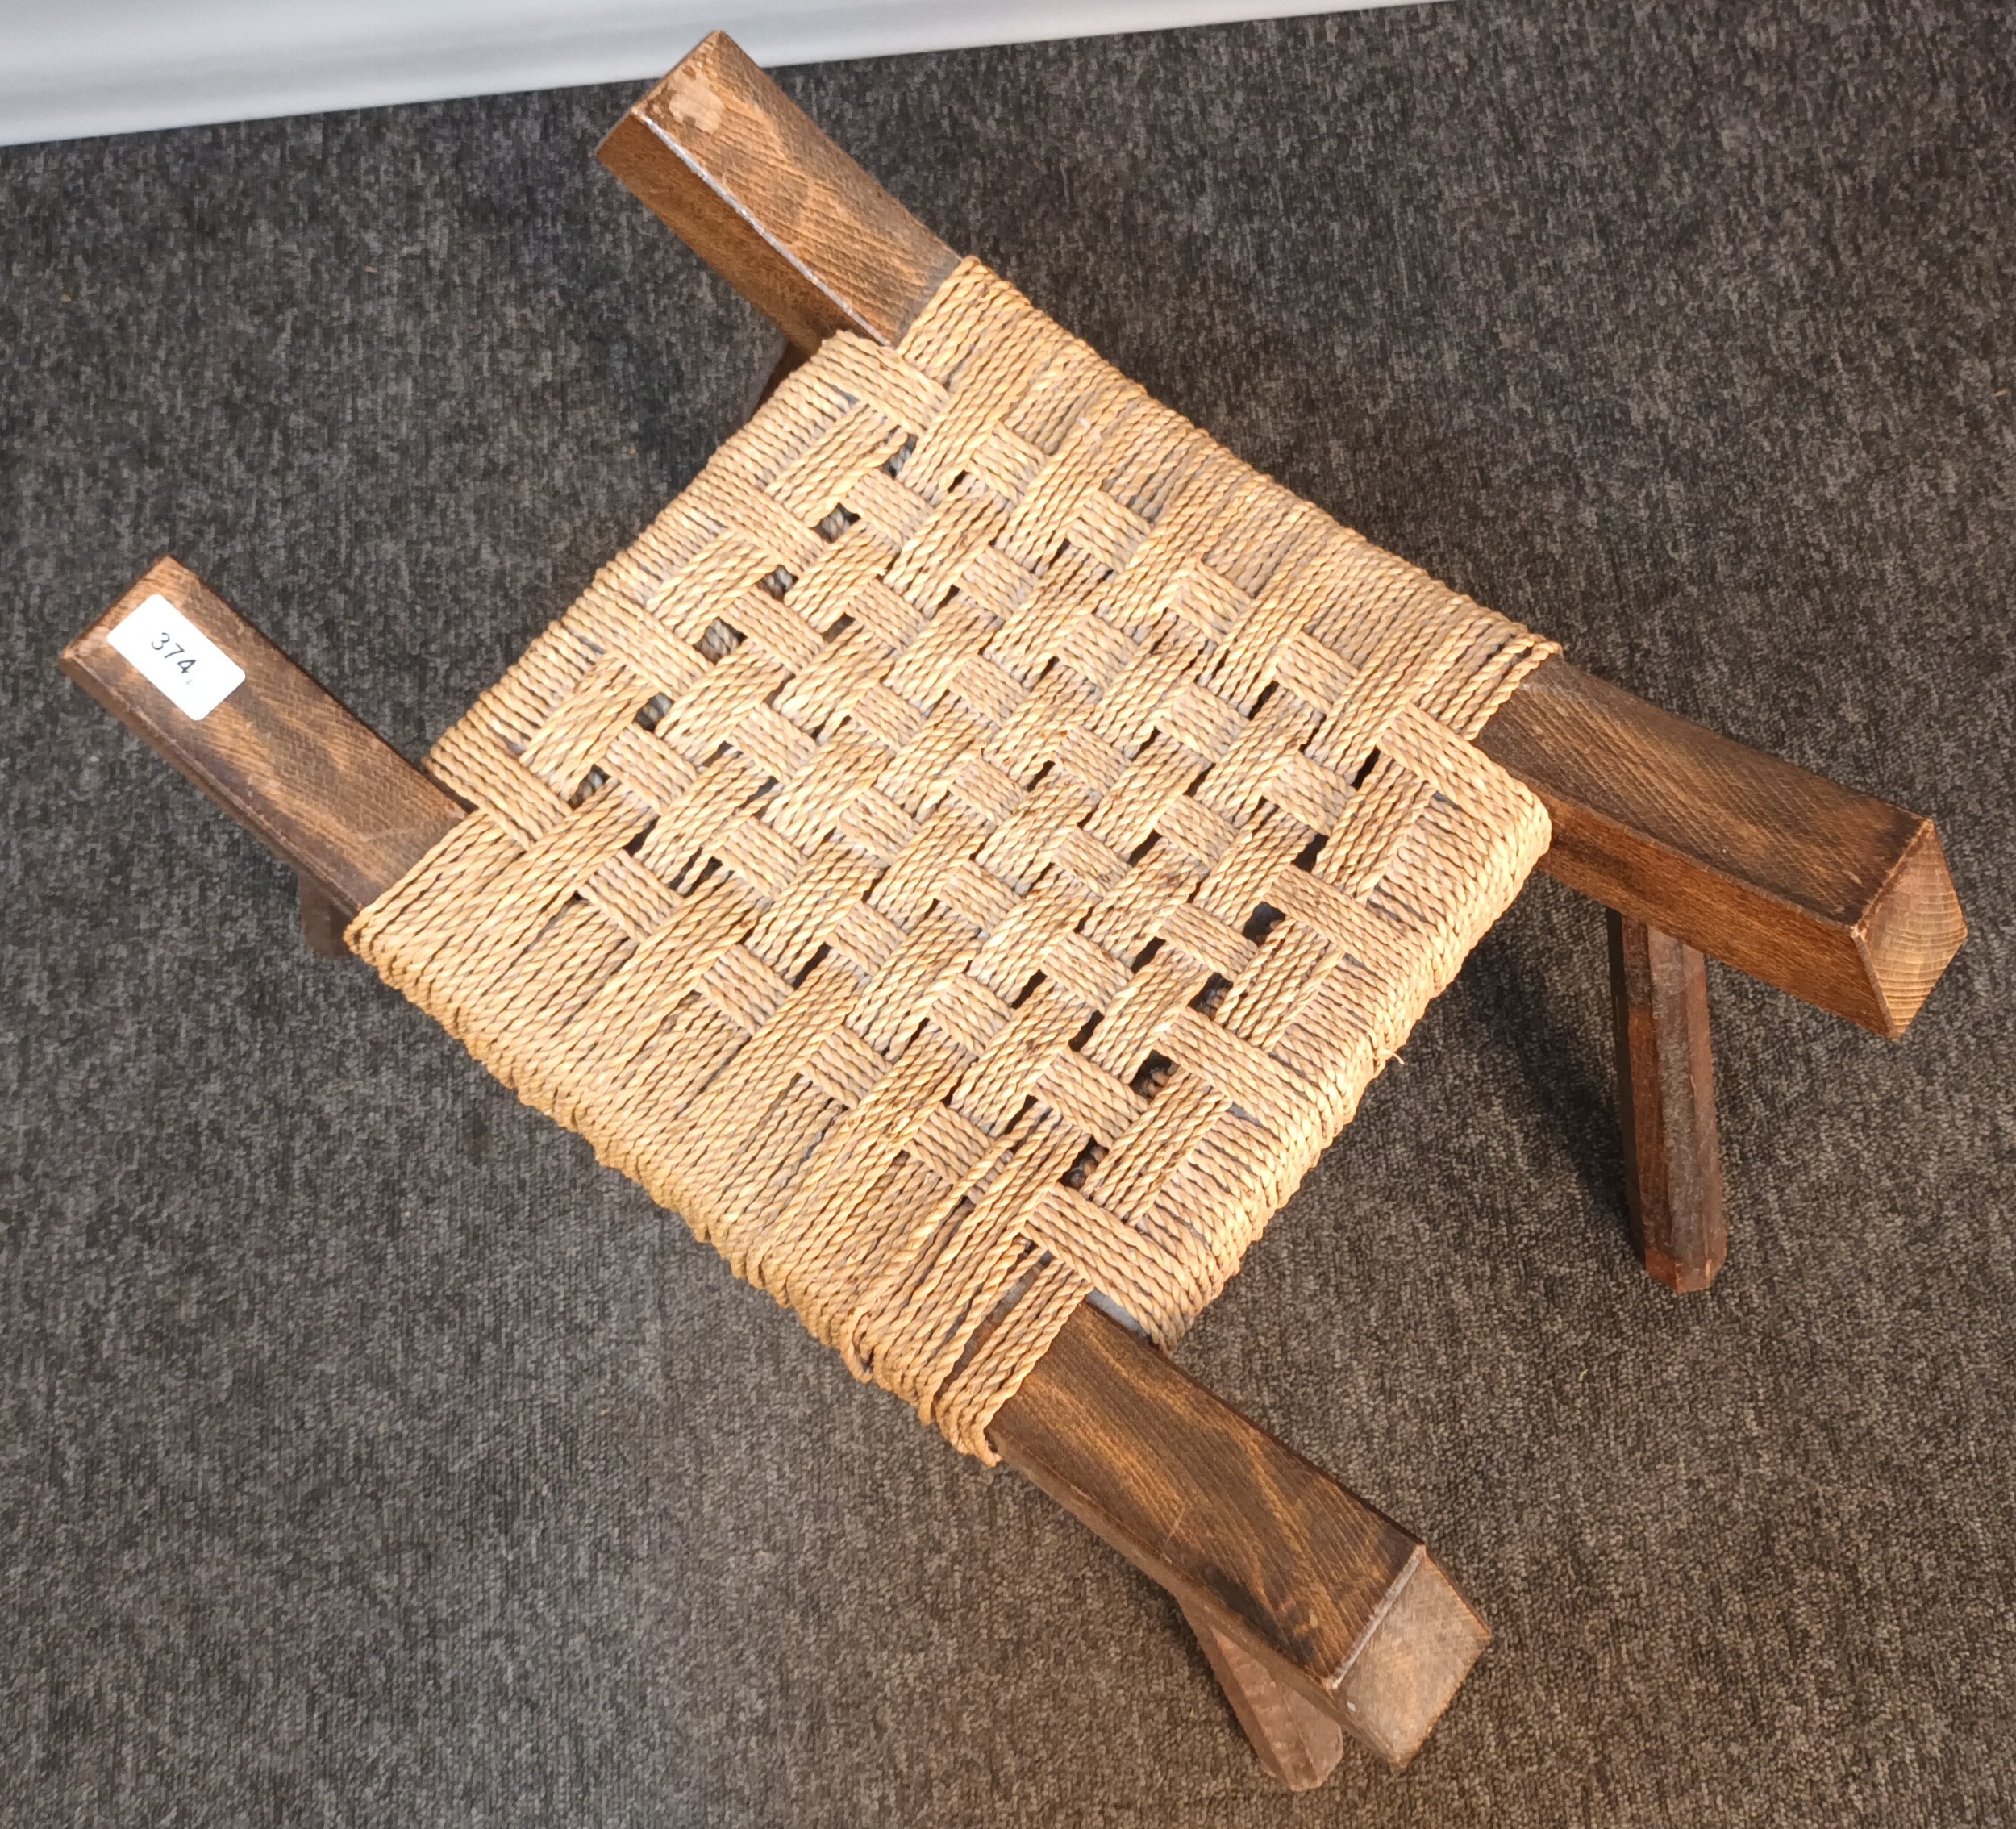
(123, 66)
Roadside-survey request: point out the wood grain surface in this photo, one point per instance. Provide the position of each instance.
(1666, 1104)
(772, 204)
(1839, 897)
(1302, 1578)
(280, 755)
(1831, 895)
(1271, 1553)
(1298, 1742)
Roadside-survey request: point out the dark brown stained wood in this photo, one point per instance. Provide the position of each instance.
(772, 204)
(1837, 897)
(1833, 896)
(1309, 1583)
(322, 921)
(1666, 1104)
(1913, 927)
(1298, 1742)
(1250, 1538)
(1412, 1665)
(282, 756)
(792, 358)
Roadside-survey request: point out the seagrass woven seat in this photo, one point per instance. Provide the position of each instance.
(972, 852)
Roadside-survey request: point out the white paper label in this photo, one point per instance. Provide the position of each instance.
(171, 652)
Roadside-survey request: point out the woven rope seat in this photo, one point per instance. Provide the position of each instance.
(972, 852)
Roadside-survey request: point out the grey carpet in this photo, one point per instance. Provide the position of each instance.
(368, 1455)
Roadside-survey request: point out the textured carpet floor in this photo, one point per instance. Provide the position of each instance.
(368, 1455)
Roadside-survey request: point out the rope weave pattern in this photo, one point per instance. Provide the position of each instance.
(972, 852)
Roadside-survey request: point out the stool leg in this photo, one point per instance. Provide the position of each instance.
(791, 357)
(1666, 1102)
(322, 921)
(1294, 1739)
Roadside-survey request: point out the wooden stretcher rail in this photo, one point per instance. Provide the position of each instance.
(1837, 897)
(1325, 1600)
(315, 785)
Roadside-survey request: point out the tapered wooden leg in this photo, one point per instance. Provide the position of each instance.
(791, 357)
(322, 921)
(1295, 1739)
(1666, 1100)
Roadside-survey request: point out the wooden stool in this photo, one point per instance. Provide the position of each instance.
(1318, 1616)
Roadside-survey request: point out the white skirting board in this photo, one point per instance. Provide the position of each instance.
(123, 66)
